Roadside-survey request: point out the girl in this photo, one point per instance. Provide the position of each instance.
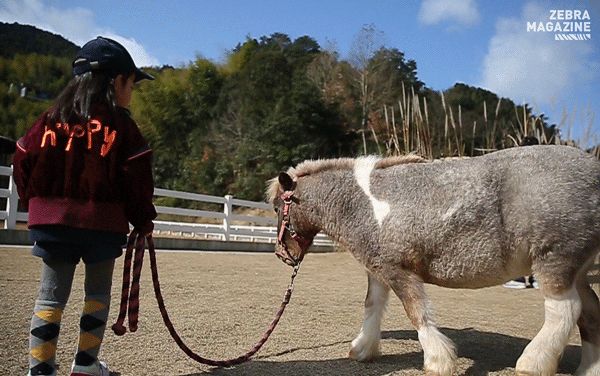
(83, 171)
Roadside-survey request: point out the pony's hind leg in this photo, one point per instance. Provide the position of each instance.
(562, 310)
(439, 354)
(366, 345)
(589, 329)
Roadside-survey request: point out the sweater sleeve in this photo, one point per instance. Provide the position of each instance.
(21, 171)
(22, 161)
(139, 184)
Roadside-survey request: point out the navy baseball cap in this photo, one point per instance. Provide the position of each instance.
(106, 55)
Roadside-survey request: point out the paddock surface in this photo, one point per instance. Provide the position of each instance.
(221, 304)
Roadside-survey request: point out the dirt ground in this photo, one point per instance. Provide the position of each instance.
(221, 304)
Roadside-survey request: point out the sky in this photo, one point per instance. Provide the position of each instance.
(503, 46)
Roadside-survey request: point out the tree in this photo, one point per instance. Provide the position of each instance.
(205, 82)
(41, 77)
(276, 41)
(175, 111)
(270, 116)
(380, 76)
(239, 56)
(302, 51)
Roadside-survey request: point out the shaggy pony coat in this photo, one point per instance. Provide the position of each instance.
(461, 223)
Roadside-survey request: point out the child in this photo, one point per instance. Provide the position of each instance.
(83, 171)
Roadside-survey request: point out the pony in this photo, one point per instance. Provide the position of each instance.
(458, 223)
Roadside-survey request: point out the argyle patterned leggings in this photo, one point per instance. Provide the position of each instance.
(55, 288)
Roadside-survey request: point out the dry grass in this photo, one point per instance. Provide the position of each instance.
(409, 129)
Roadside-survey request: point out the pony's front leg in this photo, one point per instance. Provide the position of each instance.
(366, 345)
(438, 350)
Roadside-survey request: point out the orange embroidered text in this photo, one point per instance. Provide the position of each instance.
(109, 138)
(49, 133)
(92, 127)
(78, 131)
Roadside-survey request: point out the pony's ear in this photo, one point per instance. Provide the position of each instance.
(287, 183)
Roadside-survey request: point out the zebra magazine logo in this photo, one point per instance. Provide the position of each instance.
(566, 24)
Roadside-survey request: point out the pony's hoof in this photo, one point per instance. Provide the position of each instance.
(361, 356)
(363, 349)
(527, 366)
(353, 354)
(445, 372)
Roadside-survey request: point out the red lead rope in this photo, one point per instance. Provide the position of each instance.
(130, 296)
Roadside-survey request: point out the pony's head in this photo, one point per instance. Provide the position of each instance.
(297, 223)
(292, 241)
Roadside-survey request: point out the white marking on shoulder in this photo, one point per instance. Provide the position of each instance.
(362, 171)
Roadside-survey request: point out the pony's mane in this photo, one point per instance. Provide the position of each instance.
(311, 167)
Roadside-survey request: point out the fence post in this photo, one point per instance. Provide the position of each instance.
(12, 203)
(228, 211)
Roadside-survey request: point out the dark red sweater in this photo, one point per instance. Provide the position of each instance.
(99, 177)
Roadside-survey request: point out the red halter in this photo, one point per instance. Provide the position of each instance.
(286, 224)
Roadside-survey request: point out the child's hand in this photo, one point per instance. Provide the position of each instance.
(145, 230)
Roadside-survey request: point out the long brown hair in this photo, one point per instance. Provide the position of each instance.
(82, 94)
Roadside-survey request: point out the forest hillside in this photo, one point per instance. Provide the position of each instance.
(228, 127)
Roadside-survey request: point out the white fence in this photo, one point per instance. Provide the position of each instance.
(224, 225)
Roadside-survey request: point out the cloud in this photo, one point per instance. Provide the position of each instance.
(463, 12)
(61, 21)
(532, 65)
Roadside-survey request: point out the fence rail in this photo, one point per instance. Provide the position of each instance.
(197, 223)
(225, 225)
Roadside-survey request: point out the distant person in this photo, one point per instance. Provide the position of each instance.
(529, 140)
(522, 283)
(83, 171)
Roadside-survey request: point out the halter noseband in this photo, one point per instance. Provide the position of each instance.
(286, 224)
